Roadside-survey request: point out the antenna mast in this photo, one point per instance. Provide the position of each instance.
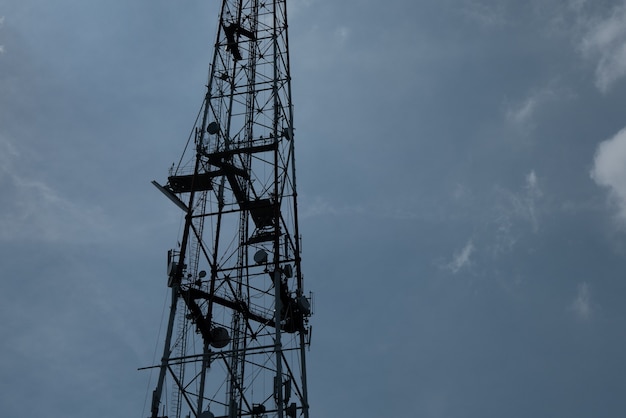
(238, 325)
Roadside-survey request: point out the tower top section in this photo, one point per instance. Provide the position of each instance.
(248, 99)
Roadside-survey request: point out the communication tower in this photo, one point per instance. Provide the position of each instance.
(238, 326)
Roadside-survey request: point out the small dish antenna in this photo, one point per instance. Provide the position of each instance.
(206, 414)
(219, 337)
(260, 256)
(213, 128)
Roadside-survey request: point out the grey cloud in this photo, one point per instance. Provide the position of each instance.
(604, 42)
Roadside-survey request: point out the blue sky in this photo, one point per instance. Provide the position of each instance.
(462, 183)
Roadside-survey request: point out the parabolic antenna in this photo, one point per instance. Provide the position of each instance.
(219, 337)
(213, 128)
(260, 256)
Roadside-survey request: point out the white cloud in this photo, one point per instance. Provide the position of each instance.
(514, 211)
(611, 67)
(320, 206)
(33, 209)
(43, 212)
(533, 193)
(523, 205)
(461, 258)
(582, 303)
(577, 5)
(605, 42)
(522, 113)
(1, 24)
(505, 237)
(8, 153)
(609, 169)
(531, 182)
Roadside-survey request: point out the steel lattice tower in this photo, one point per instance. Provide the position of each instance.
(238, 326)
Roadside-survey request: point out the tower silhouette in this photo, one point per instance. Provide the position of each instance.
(238, 324)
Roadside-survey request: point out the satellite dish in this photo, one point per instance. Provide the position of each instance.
(219, 337)
(213, 128)
(260, 256)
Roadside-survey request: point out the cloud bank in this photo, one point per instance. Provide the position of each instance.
(34, 209)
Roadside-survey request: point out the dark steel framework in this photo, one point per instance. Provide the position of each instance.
(238, 326)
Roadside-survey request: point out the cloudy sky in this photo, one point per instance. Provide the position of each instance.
(462, 175)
